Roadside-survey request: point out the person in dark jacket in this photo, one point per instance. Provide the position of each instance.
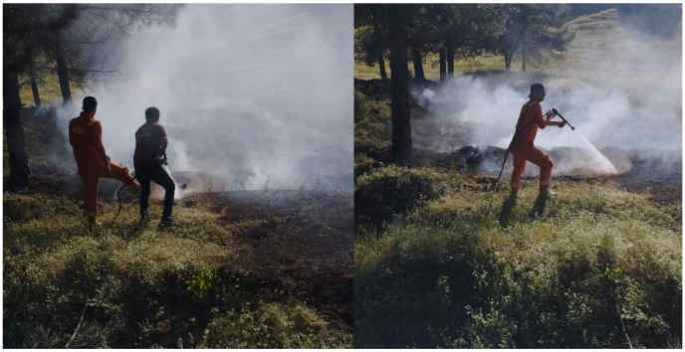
(149, 160)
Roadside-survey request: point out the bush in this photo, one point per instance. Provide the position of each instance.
(364, 164)
(395, 190)
(448, 275)
(138, 287)
(371, 125)
(272, 325)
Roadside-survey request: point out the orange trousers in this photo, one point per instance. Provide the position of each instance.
(526, 151)
(91, 174)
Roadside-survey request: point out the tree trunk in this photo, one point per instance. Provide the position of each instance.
(401, 124)
(381, 64)
(418, 64)
(450, 60)
(507, 62)
(34, 84)
(443, 64)
(523, 53)
(63, 73)
(14, 133)
(523, 61)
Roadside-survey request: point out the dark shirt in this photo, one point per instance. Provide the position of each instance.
(150, 146)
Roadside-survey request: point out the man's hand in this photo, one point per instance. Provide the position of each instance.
(549, 115)
(562, 124)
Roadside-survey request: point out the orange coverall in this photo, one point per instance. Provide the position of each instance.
(85, 137)
(523, 149)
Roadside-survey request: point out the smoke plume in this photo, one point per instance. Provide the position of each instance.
(259, 95)
(620, 88)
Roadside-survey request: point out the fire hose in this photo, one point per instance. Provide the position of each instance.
(506, 153)
(116, 195)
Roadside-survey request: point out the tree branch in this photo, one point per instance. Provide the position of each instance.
(78, 326)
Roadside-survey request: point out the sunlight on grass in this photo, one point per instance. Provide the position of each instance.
(137, 280)
(593, 244)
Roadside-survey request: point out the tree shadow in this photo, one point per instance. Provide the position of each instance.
(507, 209)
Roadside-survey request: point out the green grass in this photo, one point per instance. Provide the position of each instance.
(453, 265)
(455, 274)
(48, 85)
(48, 89)
(252, 269)
(591, 31)
(144, 287)
(431, 66)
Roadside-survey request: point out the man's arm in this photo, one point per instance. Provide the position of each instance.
(550, 115)
(539, 118)
(545, 121)
(163, 142)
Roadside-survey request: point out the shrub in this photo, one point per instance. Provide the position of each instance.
(364, 164)
(272, 325)
(602, 267)
(371, 125)
(395, 190)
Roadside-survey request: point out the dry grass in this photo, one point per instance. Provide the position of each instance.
(271, 256)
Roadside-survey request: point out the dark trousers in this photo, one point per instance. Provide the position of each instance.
(160, 176)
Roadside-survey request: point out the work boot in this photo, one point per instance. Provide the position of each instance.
(93, 223)
(547, 193)
(166, 223)
(144, 219)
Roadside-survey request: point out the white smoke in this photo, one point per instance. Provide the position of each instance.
(622, 91)
(258, 94)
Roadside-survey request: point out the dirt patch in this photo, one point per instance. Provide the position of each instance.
(301, 239)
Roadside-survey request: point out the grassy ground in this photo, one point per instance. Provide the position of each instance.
(471, 269)
(431, 66)
(589, 33)
(238, 269)
(48, 89)
(219, 278)
(442, 262)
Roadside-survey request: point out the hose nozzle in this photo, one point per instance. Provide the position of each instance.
(556, 112)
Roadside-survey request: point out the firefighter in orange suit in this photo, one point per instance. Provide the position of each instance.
(85, 137)
(522, 146)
